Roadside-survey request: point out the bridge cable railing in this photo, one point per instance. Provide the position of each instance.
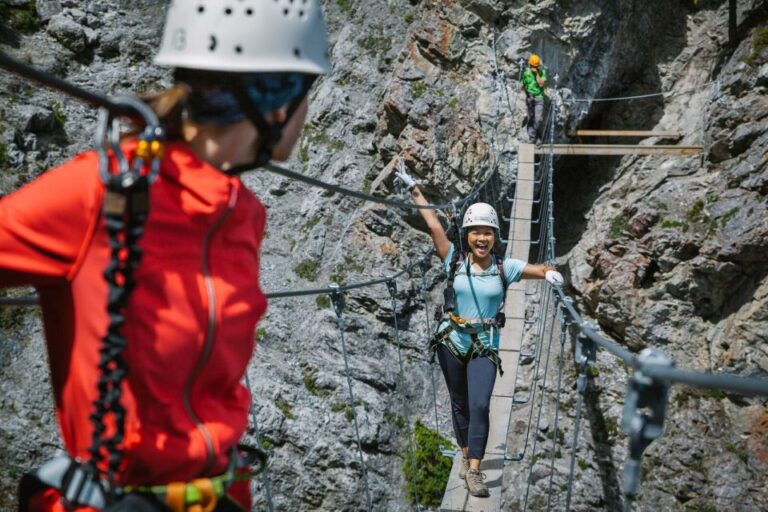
(647, 389)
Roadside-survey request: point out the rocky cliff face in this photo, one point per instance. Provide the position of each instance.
(663, 252)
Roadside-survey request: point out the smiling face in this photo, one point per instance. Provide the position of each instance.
(480, 240)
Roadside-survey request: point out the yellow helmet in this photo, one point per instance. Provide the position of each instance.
(534, 60)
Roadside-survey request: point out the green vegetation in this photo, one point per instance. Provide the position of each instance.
(409, 17)
(310, 224)
(367, 183)
(453, 103)
(560, 435)
(323, 301)
(393, 419)
(376, 44)
(22, 18)
(728, 216)
(5, 158)
(593, 371)
(261, 333)
(266, 443)
(618, 225)
(59, 117)
(583, 464)
(345, 5)
(286, 408)
(674, 224)
(426, 469)
(688, 393)
(313, 136)
(419, 88)
(611, 426)
(308, 269)
(309, 376)
(698, 215)
(702, 508)
(741, 453)
(339, 274)
(759, 43)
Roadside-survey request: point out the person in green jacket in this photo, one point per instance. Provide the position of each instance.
(533, 82)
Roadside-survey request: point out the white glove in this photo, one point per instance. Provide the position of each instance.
(407, 180)
(554, 277)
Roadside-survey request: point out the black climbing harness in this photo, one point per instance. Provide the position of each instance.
(445, 312)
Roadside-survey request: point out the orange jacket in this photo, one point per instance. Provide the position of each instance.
(190, 320)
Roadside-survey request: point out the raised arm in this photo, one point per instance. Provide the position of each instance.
(439, 238)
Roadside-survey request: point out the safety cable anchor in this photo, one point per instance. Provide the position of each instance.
(337, 300)
(643, 415)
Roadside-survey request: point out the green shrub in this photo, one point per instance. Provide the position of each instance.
(309, 376)
(344, 5)
(23, 18)
(453, 103)
(419, 88)
(426, 469)
(261, 333)
(409, 17)
(308, 269)
(59, 117)
(5, 158)
(618, 225)
(286, 408)
(674, 224)
(759, 43)
(323, 301)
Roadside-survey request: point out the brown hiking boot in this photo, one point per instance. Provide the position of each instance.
(463, 467)
(475, 484)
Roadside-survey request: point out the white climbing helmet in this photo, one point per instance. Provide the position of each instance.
(245, 36)
(480, 214)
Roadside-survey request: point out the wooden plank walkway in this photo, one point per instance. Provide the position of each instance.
(456, 497)
(617, 150)
(626, 133)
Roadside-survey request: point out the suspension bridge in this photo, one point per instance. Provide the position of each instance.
(537, 313)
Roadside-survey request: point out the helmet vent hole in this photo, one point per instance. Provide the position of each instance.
(228, 11)
(238, 49)
(286, 11)
(301, 14)
(249, 12)
(297, 52)
(201, 9)
(214, 42)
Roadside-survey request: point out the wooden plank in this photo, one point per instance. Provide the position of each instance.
(505, 384)
(501, 406)
(626, 133)
(455, 496)
(617, 150)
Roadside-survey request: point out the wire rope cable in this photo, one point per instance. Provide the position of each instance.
(337, 299)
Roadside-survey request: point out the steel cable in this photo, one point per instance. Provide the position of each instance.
(338, 306)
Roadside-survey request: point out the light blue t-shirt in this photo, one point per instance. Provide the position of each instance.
(489, 293)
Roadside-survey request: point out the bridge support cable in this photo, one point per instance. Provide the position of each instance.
(392, 288)
(543, 386)
(265, 479)
(584, 354)
(564, 323)
(337, 299)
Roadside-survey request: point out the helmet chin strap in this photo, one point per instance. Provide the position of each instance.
(269, 133)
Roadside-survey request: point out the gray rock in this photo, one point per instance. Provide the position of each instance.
(68, 32)
(46, 9)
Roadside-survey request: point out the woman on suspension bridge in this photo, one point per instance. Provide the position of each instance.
(156, 426)
(467, 337)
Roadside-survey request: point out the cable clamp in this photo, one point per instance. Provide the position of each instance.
(643, 415)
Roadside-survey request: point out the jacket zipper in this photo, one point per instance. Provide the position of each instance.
(209, 334)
